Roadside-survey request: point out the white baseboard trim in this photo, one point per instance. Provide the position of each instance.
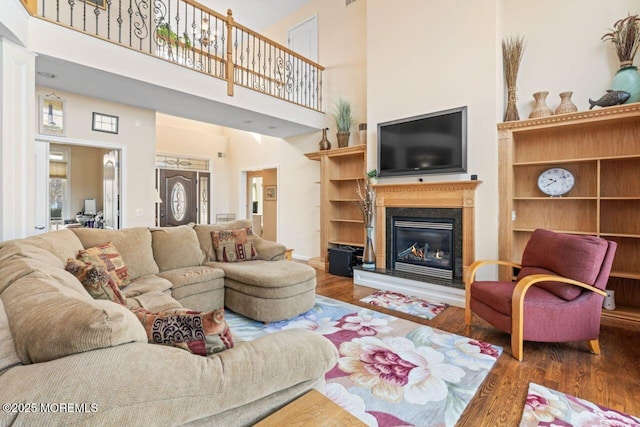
(428, 291)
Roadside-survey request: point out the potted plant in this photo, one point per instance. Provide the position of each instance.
(373, 176)
(625, 37)
(344, 121)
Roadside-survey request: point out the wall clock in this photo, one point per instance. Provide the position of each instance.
(556, 181)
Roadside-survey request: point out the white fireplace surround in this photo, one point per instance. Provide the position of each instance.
(453, 194)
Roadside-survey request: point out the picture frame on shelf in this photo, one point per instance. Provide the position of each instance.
(104, 123)
(52, 115)
(270, 192)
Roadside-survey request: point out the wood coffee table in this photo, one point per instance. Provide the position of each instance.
(311, 409)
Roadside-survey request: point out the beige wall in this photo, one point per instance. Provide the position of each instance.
(270, 208)
(187, 137)
(136, 138)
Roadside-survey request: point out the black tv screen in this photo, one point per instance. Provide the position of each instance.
(427, 144)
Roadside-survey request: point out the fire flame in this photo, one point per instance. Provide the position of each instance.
(417, 252)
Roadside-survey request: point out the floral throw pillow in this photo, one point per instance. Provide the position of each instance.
(201, 333)
(96, 280)
(234, 245)
(107, 256)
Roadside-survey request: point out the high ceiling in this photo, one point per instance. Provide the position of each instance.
(255, 14)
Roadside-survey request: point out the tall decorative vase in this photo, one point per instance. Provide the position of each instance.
(628, 79)
(369, 255)
(324, 143)
(540, 109)
(566, 105)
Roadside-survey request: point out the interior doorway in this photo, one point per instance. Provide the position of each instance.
(262, 202)
(69, 174)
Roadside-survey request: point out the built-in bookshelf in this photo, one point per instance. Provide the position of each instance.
(601, 148)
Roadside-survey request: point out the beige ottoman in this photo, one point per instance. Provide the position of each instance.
(268, 291)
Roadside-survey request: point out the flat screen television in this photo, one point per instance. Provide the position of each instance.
(433, 143)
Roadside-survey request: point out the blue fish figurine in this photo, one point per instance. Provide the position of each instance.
(612, 97)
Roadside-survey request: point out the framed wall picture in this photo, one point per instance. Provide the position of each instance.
(104, 123)
(270, 192)
(100, 3)
(52, 118)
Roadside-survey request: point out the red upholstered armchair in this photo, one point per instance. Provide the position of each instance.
(558, 294)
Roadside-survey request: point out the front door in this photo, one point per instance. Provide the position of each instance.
(179, 194)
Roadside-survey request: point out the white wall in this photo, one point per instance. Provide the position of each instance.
(136, 135)
(298, 192)
(202, 140)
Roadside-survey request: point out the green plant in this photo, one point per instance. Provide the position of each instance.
(165, 33)
(343, 116)
(625, 36)
(372, 173)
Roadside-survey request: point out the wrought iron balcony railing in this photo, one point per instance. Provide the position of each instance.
(194, 36)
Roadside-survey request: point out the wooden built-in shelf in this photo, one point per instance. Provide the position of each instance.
(341, 222)
(601, 148)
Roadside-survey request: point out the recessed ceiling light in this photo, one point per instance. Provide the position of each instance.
(273, 127)
(248, 121)
(47, 75)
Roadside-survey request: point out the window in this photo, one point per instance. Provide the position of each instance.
(59, 200)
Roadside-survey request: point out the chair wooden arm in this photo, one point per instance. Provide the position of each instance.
(470, 277)
(517, 305)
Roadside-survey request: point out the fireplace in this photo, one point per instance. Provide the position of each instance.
(423, 246)
(437, 203)
(425, 242)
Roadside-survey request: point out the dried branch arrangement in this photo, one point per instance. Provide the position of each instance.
(512, 50)
(367, 197)
(625, 37)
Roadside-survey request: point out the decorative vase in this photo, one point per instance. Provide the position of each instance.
(540, 109)
(362, 129)
(628, 79)
(373, 180)
(369, 255)
(566, 106)
(324, 143)
(343, 138)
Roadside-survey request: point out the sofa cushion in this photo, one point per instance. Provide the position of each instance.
(176, 247)
(191, 275)
(134, 245)
(267, 250)
(267, 274)
(145, 284)
(199, 333)
(8, 355)
(96, 280)
(107, 257)
(153, 301)
(19, 260)
(547, 252)
(63, 244)
(74, 321)
(234, 245)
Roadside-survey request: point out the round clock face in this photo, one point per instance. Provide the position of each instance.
(556, 181)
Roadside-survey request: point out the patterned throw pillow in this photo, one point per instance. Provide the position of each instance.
(96, 280)
(107, 256)
(201, 333)
(234, 245)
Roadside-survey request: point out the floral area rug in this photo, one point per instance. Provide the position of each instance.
(547, 407)
(391, 372)
(405, 304)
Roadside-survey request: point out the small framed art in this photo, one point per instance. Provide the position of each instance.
(270, 192)
(52, 119)
(104, 123)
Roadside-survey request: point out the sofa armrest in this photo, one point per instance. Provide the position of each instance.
(268, 250)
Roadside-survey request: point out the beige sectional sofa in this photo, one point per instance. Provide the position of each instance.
(68, 359)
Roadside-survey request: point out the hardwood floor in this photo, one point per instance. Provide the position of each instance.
(611, 379)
